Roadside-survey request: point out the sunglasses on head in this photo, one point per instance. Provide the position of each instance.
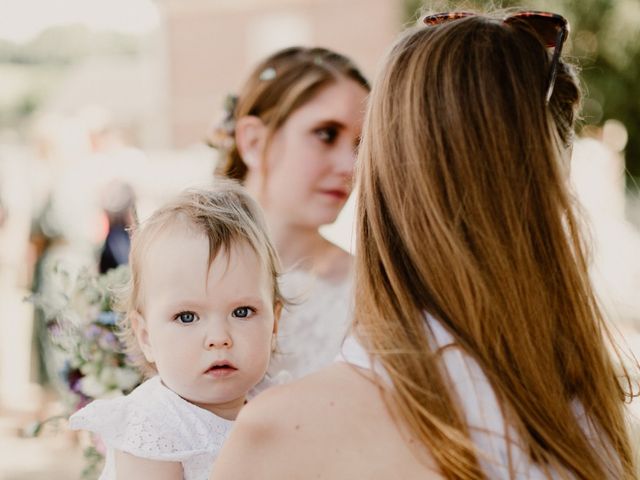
(552, 29)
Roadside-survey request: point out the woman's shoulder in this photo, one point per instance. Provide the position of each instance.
(295, 408)
(333, 420)
(317, 390)
(302, 416)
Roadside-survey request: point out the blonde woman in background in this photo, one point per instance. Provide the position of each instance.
(291, 137)
(479, 350)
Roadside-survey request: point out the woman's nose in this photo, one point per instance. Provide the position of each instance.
(345, 160)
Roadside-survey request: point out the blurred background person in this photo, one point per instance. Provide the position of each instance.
(118, 201)
(291, 139)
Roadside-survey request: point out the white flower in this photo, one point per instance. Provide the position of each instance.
(126, 378)
(92, 387)
(91, 369)
(113, 393)
(108, 376)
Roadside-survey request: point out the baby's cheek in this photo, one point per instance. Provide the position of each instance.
(261, 352)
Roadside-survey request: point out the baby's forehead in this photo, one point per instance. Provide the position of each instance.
(183, 239)
(176, 222)
(164, 236)
(173, 271)
(170, 237)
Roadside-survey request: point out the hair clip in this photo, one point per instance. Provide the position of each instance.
(230, 104)
(222, 136)
(268, 73)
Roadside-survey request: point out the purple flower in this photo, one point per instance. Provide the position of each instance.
(93, 331)
(108, 341)
(83, 401)
(72, 376)
(107, 318)
(55, 330)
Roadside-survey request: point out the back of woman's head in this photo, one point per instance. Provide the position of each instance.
(464, 214)
(278, 86)
(470, 92)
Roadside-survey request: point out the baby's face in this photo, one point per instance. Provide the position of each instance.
(208, 330)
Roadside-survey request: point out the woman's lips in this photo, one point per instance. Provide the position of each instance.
(337, 194)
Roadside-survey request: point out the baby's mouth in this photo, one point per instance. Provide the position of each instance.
(221, 369)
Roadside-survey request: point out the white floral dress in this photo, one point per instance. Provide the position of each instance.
(311, 331)
(155, 423)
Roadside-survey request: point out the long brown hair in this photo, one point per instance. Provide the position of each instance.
(463, 213)
(277, 87)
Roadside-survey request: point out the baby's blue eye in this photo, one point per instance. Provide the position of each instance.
(243, 312)
(186, 317)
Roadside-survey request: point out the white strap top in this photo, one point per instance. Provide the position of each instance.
(500, 450)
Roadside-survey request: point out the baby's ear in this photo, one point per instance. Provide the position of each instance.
(251, 137)
(139, 327)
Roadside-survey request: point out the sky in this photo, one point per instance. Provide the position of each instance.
(22, 20)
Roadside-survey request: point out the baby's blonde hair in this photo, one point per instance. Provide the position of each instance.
(226, 214)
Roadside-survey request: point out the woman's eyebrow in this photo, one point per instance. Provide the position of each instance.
(329, 122)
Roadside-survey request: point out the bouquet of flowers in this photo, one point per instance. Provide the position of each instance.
(82, 328)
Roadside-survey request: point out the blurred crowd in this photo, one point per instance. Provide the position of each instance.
(68, 197)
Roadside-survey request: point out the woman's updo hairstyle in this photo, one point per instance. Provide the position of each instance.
(277, 87)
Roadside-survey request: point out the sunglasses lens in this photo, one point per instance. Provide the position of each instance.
(552, 30)
(439, 18)
(547, 28)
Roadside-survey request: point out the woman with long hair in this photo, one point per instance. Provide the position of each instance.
(290, 138)
(479, 350)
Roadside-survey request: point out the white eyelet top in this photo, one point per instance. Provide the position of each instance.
(155, 423)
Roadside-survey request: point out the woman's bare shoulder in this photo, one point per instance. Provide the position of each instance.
(334, 390)
(281, 432)
(327, 425)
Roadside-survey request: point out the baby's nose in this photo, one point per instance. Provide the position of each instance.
(218, 337)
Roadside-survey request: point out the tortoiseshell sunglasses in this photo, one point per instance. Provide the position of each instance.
(552, 29)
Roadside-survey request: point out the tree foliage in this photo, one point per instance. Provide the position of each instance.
(30, 71)
(67, 44)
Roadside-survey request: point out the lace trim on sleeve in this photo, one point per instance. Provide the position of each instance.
(155, 423)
